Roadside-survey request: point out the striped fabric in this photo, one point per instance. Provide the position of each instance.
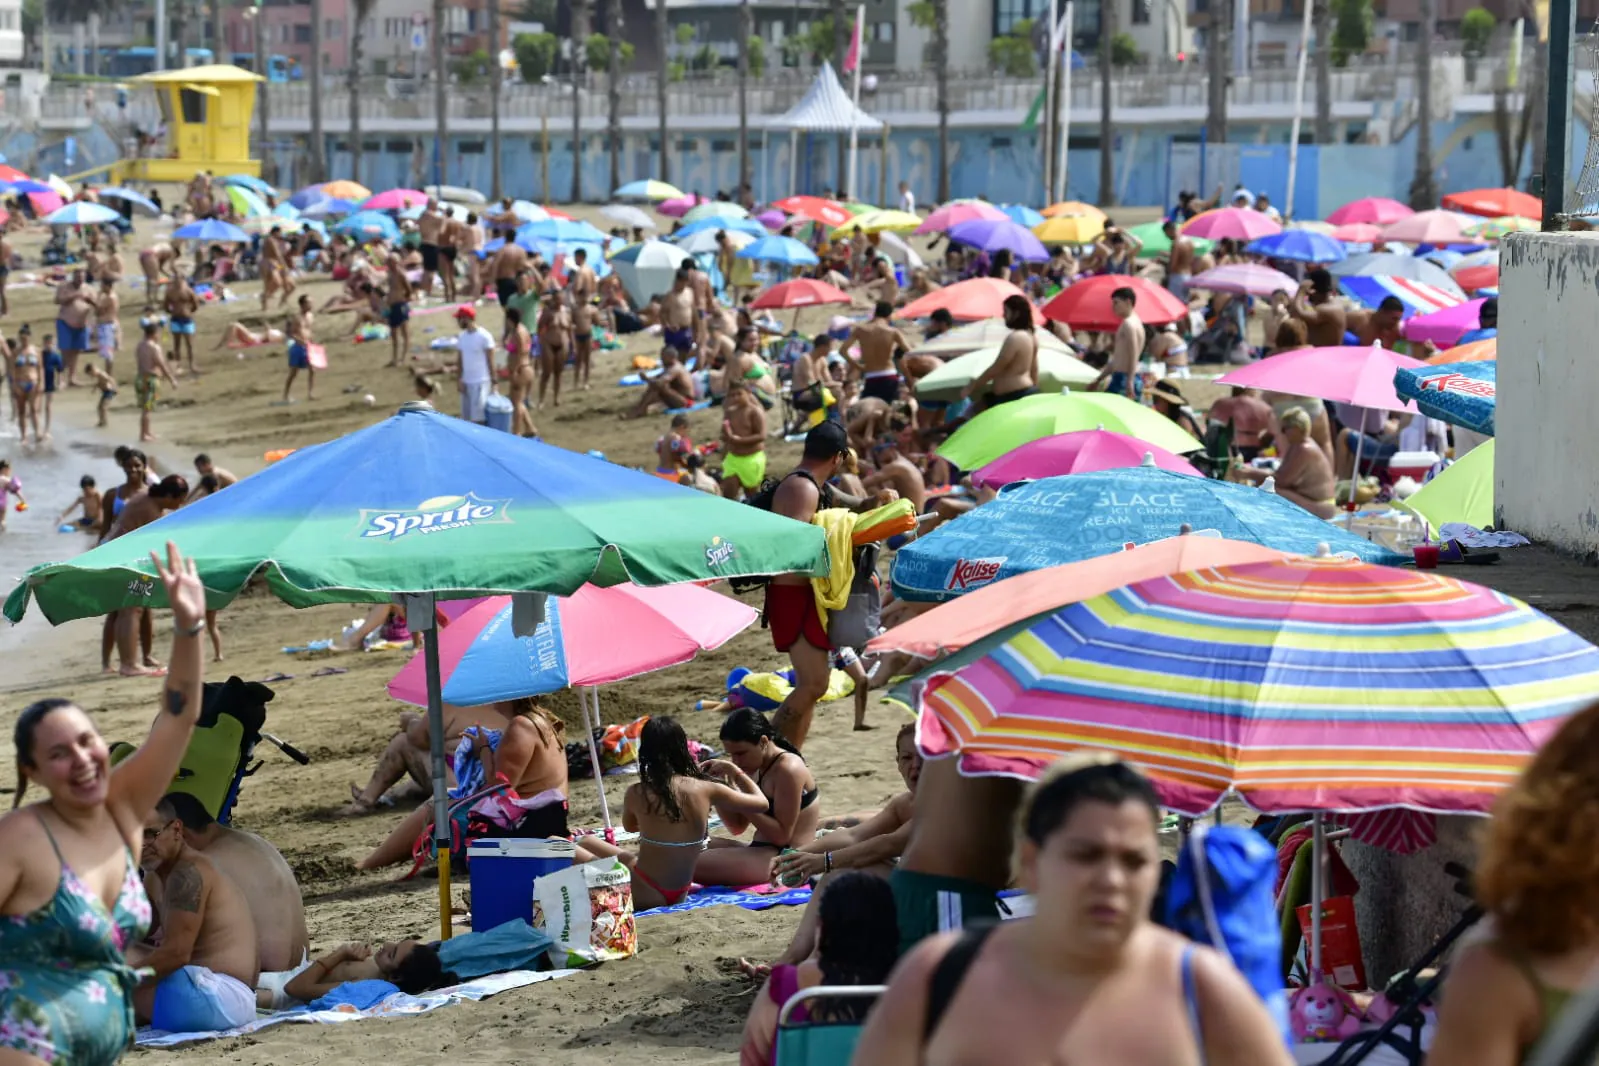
(826, 108)
(1418, 297)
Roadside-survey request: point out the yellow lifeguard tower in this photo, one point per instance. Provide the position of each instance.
(207, 111)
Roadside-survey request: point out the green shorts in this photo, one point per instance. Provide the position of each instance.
(926, 904)
(749, 469)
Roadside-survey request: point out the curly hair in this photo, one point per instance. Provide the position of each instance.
(1539, 871)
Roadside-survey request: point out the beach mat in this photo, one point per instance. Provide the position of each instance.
(702, 405)
(757, 898)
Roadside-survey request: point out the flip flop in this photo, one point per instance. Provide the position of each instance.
(329, 671)
(276, 677)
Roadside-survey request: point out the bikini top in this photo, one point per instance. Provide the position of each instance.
(807, 797)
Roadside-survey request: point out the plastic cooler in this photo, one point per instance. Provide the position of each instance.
(502, 872)
(1411, 464)
(497, 411)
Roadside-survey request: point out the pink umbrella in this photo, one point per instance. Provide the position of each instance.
(1252, 279)
(963, 211)
(1426, 227)
(1077, 453)
(1444, 328)
(1363, 377)
(45, 202)
(395, 200)
(1357, 233)
(1239, 223)
(678, 206)
(1375, 210)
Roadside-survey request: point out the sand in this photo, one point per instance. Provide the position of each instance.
(678, 1000)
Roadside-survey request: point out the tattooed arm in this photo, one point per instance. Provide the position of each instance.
(182, 905)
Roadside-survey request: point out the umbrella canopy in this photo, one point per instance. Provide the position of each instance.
(1495, 203)
(563, 230)
(1475, 352)
(45, 202)
(326, 208)
(525, 211)
(999, 235)
(715, 209)
(212, 229)
(344, 189)
(1300, 684)
(677, 206)
(1056, 371)
(304, 198)
(1299, 245)
(773, 219)
(1372, 210)
(368, 225)
(247, 202)
(29, 186)
(1444, 328)
(1472, 278)
(1022, 215)
(703, 242)
(1152, 240)
(710, 225)
(483, 661)
(648, 189)
(967, 301)
(628, 215)
(1393, 265)
(960, 211)
(1462, 394)
(894, 247)
(1251, 279)
(802, 292)
(82, 214)
(1082, 452)
(815, 208)
(878, 221)
(952, 626)
(137, 199)
(1419, 297)
(1360, 376)
(1238, 223)
(10, 173)
(775, 249)
(1072, 207)
(1034, 524)
(59, 186)
(248, 181)
(648, 269)
(1494, 228)
(1463, 492)
(1086, 305)
(1426, 227)
(1001, 429)
(1357, 233)
(988, 333)
(1069, 229)
(1312, 225)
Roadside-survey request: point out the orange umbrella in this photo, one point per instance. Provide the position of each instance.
(968, 301)
(344, 189)
(951, 626)
(1475, 352)
(1495, 203)
(1073, 207)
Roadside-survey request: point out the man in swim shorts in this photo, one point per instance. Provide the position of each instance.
(74, 305)
(430, 227)
(150, 366)
(107, 329)
(743, 442)
(300, 341)
(181, 304)
(677, 314)
(879, 340)
(399, 310)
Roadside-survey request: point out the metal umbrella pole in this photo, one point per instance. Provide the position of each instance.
(422, 608)
(594, 758)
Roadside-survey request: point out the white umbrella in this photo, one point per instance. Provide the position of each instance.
(894, 246)
(704, 242)
(628, 215)
(457, 193)
(989, 333)
(648, 269)
(1056, 371)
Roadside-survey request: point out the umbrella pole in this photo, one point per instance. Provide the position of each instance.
(594, 758)
(441, 806)
(1318, 889)
(1354, 475)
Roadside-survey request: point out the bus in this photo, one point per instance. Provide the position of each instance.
(278, 68)
(131, 62)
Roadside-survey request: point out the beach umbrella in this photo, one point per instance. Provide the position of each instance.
(1474, 352)
(1311, 225)
(1486, 257)
(801, 292)
(1419, 297)
(1022, 215)
(987, 333)
(998, 430)
(1072, 207)
(894, 247)
(648, 269)
(960, 211)
(1462, 394)
(211, 229)
(59, 186)
(967, 301)
(82, 214)
(248, 181)
(267, 223)
(43, 203)
(1237, 223)
(368, 225)
(785, 251)
(1441, 257)
(1357, 233)
(1085, 304)
(703, 242)
(816, 208)
(311, 194)
(322, 210)
(1426, 227)
(1393, 265)
(1372, 210)
(1152, 240)
(628, 215)
(1070, 229)
(1056, 371)
(428, 506)
(1462, 492)
(1299, 245)
(1444, 328)
(395, 200)
(648, 189)
(951, 626)
(30, 187)
(715, 209)
(1476, 277)
(1494, 228)
(1082, 452)
(247, 202)
(999, 235)
(1055, 520)
(10, 173)
(883, 220)
(1362, 376)
(1495, 203)
(557, 229)
(525, 211)
(284, 209)
(710, 225)
(773, 219)
(1251, 279)
(137, 199)
(678, 206)
(344, 189)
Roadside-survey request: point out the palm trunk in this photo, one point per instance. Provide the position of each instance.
(496, 80)
(841, 30)
(941, 77)
(1217, 57)
(1423, 189)
(318, 171)
(613, 88)
(662, 45)
(580, 32)
(746, 28)
(1107, 138)
(1321, 28)
(354, 81)
(441, 105)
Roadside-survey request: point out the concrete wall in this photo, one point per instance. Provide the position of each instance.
(1406, 902)
(1547, 486)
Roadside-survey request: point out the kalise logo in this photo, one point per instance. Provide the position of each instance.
(969, 573)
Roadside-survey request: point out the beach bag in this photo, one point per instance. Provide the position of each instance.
(587, 912)
(1223, 895)
(858, 620)
(496, 811)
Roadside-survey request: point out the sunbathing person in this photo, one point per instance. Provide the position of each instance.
(670, 809)
(237, 336)
(410, 965)
(673, 388)
(791, 813)
(408, 755)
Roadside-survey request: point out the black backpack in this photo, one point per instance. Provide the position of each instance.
(763, 498)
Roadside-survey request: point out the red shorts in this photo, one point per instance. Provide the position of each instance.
(791, 612)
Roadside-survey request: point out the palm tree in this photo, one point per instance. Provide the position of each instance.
(362, 12)
(746, 30)
(1423, 189)
(841, 33)
(941, 80)
(496, 76)
(580, 33)
(613, 88)
(1107, 139)
(1218, 38)
(441, 78)
(318, 173)
(1321, 26)
(662, 43)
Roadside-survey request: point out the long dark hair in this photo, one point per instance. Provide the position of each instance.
(748, 726)
(22, 737)
(662, 755)
(859, 939)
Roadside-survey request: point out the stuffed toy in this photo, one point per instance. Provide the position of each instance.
(1322, 1011)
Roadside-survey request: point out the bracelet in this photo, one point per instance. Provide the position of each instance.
(827, 862)
(193, 631)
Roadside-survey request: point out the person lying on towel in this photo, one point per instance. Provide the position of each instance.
(410, 965)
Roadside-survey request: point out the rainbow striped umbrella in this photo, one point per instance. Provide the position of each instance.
(1305, 684)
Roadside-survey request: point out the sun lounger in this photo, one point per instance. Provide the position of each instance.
(820, 1043)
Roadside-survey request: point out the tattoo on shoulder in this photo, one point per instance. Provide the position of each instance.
(184, 887)
(176, 701)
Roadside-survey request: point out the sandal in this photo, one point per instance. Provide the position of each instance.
(276, 677)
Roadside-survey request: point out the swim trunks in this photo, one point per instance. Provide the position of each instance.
(681, 339)
(197, 1000)
(928, 904)
(791, 613)
(430, 257)
(749, 469)
(883, 384)
(299, 358)
(181, 326)
(504, 288)
(146, 390)
(71, 338)
(106, 334)
(399, 315)
(1177, 285)
(1118, 385)
(1006, 397)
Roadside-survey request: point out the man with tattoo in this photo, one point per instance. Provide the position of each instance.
(204, 956)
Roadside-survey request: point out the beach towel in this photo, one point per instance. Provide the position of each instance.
(755, 898)
(516, 945)
(702, 405)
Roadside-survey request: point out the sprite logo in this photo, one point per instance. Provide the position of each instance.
(431, 516)
(719, 552)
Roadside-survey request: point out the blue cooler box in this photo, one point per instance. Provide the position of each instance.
(497, 412)
(502, 873)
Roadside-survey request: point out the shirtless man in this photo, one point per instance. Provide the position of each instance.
(808, 379)
(450, 240)
(399, 313)
(1248, 414)
(677, 314)
(107, 324)
(1014, 373)
(168, 494)
(104, 264)
(673, 388)
(507, 263)
(275, 274)
(181, 304)
(300, 341)
(1179, 261)
(149, 368)
(7, 253)
(555, 343)
(430, 228)
(74, 305)
(867, 419)
(468, 243)
(1316, 304)
(582, 284)
(1121, 372)
(879, 342)
(155, 261)
(896, 472)
(206, 468)
(704, 300)
(719, 352)
(205, 961)
(743, 442)
(882, 287)
(1380, 326)
(258, 869)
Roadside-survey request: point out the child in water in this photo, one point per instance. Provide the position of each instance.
(89, 500)
(108, 390)
(9, 486)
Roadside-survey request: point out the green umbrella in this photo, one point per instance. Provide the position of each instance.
(1155, 241)
(1010, 425)
(1056, 371)
(1464, 492)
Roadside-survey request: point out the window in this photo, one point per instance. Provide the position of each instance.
(397, 147)
(302, 35)
(883, 32)
(473, 147)
(1141, 12)
(193, 105)
(723, 146)
(998, 142)
(1007, 13)
(333, 29)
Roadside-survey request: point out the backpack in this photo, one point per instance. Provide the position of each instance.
(858, 620)
(1223, 895)
(762, 499)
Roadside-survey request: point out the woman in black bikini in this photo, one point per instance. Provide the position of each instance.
(791, 814)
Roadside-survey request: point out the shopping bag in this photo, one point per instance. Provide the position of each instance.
(587, 910)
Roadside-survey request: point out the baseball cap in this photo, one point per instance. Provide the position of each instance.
(826, 440)
(466, 311)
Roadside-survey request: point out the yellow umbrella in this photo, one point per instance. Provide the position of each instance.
(1073, 207)
(1070, 229)
(876, 221)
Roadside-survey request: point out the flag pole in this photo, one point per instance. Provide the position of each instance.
(1049, 106)
(855, 98)
(1299, 107)
(1064, 103)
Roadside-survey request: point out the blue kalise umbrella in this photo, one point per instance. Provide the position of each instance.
(1462, 394)
(1299, 245)
(211, 229)
(785, 251)
(1035, 524)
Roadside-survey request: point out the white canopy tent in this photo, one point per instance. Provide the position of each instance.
(825, 108)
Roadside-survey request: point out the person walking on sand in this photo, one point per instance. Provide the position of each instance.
(182, 303)
(27, 384)
(1120, 375)
(583, 285)
(450, 239)
(677, 314)
(108, 327)
(167, 495)
(555, 330)
(519, 366)
(74, 305)
(476, 378)
(399, 316)
(300, 340)
(150, 367)
(430, 229)
(509, 261)
(879, 340)
(275, 273)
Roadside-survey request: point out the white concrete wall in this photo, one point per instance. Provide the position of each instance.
(1546, 480)
(970, 29)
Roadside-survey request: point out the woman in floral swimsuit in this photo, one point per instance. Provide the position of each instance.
(70, 896)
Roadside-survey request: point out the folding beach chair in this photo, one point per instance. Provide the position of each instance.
(820, 1043)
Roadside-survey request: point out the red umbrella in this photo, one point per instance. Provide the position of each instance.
(968, 301)
(1375, 210)
(1357, 233)
(1085, 305)
(1495, 203)
(802, 292)
(1478, 277)
(9, 173)
(815, 208)
(553, 213)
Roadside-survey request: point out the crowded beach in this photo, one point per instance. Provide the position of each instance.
(807, 631)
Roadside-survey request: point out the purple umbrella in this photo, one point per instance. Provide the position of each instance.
(1254, 279)
(994, 235)
(772, 219)
(1444, 328)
